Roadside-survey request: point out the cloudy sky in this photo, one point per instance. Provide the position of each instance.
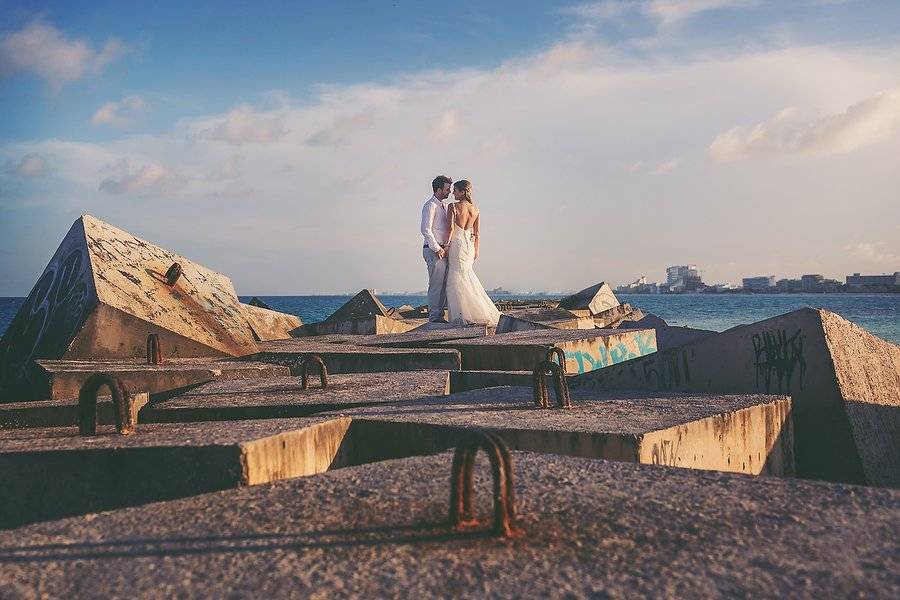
(291, 147)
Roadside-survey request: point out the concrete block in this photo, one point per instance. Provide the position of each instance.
(62, 412)
(591, 529)
(103, 292)
(744, 434)
(585, 350)
(844, 381)
(268, 324)
(80, 474)
(371, 325)
(346, 358)
(541, 318)
(466, 381)
(420, 337)
(64, 378)
(594, 299)
(362, 305)
(282, 397)
(613, 317)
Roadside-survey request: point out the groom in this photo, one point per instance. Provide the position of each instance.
(436, 231)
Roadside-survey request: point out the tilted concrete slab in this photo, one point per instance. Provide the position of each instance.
(594, 299)
(591, 529)
(283, 396)
(466, 381)
(54, 472)
(62, 412)
(64, 378)
(268, 324)
(346, 358)
(745, 434)
(530, 319)
(845, 383)
(103, 292)
(364, 304)
(585, 350)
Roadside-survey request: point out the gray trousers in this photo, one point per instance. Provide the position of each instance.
(437, 284)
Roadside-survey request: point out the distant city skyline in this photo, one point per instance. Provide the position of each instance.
(291, 146)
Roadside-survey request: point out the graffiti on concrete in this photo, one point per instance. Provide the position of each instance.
(777, 358)
(48, 320)
(665, 452)
(667, 371)
(644, 343)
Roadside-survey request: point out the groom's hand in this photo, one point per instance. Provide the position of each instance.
(441, 253)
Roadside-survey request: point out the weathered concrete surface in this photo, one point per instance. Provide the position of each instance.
(64, 378)
(670, 336)
(466, 381)
(419, 337)
(283, 396)
(373, 325)
(268, 324)
(103, 292)
(613, 317)
(593, 529)
(594, 299)
(363, 304)
(49, 473)
(62, 413)
(530, 319)
(745, 434)
(845, 384)
(346, 358)
(585, 350)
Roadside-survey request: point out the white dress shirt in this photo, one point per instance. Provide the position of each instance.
(435, 226)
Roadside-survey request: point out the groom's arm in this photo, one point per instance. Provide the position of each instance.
(427, 221)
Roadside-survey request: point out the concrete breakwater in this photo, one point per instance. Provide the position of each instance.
(227, 405)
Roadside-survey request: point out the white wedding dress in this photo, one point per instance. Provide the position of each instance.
(467, 302)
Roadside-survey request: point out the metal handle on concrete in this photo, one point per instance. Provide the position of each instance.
(173, 274)
(555, 351)
(462, 488)
(323, 372)
(561, 386)
(87, 404)
(154, 355)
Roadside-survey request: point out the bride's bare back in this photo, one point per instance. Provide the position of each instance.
(465, 214)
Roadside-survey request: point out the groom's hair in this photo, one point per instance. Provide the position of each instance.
(439, 182)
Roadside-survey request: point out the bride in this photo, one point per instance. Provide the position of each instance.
(467, 302)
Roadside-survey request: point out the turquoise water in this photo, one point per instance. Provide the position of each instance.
(879, 313)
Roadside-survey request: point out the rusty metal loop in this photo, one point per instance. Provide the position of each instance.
(173, 274)
(87, 404)
(154, 355)
(323, 372)
(462, 487)
(556, 352)
(561, 387)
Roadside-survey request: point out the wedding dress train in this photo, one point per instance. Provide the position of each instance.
(467, 302)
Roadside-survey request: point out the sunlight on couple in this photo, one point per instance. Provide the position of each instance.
(451, 247)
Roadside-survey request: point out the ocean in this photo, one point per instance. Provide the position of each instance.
(879, 313)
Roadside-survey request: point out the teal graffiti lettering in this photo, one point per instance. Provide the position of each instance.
(646, 344)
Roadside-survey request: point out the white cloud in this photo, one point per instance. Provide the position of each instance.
(665, 13)
(44, 50)
(874, 253)
(447, 126)
(341, 130)
(30, 165)
(119, 113)
(862, 124)
(243, 125)
(149, 179)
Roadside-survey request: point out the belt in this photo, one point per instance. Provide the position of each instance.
(426, 245)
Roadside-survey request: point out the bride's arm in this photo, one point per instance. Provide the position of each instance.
(452, 217)
(476, 230)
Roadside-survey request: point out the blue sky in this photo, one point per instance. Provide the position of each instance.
(606, 140)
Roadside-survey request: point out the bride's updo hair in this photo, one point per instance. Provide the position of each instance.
(464, 185)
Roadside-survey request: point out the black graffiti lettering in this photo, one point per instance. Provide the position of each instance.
(777, 357)
(667, 370)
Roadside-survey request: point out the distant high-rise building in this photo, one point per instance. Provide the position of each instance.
(684, 278)
(811, 283)
(759, 283)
